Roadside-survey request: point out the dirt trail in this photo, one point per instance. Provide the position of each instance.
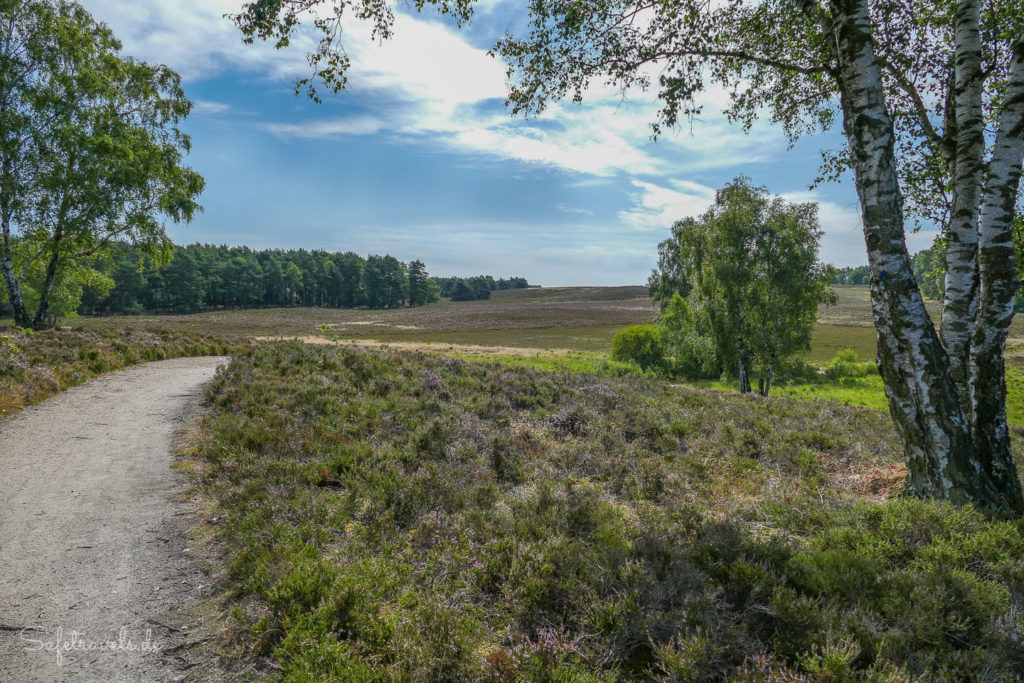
(91, 537)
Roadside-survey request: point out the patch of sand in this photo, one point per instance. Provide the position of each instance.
(431, 347)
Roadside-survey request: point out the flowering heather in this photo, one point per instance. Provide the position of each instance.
(34, 365)
(399, 516)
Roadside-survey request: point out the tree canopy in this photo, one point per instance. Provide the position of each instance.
(90, 153)
(757, 279)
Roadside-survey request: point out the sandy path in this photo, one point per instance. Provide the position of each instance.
(91, 539)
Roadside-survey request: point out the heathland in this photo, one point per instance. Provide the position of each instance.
(567, 328)
(473, 491)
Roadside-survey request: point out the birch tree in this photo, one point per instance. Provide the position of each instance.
(757, 279)
(90, 153)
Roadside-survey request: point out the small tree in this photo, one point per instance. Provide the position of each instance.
(90, 154)
(757, 280)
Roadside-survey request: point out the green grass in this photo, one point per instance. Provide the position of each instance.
(829, 339)
(405, 516)
(589, 338)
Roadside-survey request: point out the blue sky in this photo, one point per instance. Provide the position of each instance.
(419, 158)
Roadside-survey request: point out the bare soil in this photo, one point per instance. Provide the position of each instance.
(95, 577)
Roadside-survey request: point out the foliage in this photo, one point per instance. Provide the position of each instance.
(846, 364)
(772, 56)
(278, 20)
(206, 277)
(757, 282)
(851, 275)
(401, 516)
(930, 270)
(477, 288)
(690, 352)
(422, 290)
(669, 278)
(640, 344)
(34, 366)
(91, 153)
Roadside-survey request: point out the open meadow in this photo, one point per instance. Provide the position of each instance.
(557, 328)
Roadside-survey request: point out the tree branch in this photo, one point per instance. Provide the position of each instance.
(723, 54)
(920, 110)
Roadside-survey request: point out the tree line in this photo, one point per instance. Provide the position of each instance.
(477, 288)
(206, 277)
(201, 277)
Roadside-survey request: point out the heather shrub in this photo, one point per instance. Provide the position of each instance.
(398, 516)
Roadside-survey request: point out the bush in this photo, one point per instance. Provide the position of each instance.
(532, 526)
(846, 364)
(640, 344)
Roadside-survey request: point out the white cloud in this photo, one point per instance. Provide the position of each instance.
(430, 85)
(209, 107)
(657, 207)
(843, 242)
(571, 209)
(328, 128)
(194, 37)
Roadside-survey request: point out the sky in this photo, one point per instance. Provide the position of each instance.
(419, 157)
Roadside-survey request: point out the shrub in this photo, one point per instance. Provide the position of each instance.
(640, 344)
(846, 364)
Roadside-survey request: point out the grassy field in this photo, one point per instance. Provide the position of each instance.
(557, 328)
(575, 318)
(394, 515)
(563, 318)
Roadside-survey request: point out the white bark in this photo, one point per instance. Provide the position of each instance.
(960, 305)
(921, 392)
(998, 285)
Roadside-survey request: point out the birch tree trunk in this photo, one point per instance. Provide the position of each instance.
(997, 288)
(14, 298)
(959, 308)
(912, 361)
(11, 281)
(743, 367)
(43, 312)
(741, 352)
